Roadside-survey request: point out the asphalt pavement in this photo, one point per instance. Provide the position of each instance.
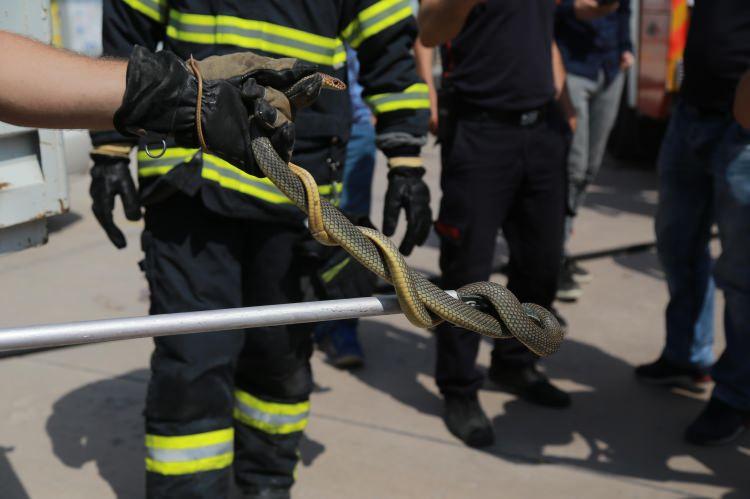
(72, 424)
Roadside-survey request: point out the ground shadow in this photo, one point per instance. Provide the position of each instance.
(60, 222)
(10, 485)
(621, 188)
(102, 422)
(629, 430)
(395, 359)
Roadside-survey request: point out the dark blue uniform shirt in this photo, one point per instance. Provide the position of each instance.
(502, 58)
(588, 47)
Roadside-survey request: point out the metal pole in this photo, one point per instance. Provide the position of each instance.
(74, 333)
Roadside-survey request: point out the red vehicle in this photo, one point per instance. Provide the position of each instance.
(661, 27)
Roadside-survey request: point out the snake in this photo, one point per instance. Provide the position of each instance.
(424, 304)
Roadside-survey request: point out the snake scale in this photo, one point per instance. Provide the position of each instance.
(424, 303)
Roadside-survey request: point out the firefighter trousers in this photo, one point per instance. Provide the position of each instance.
(234, 401)
(496, 175)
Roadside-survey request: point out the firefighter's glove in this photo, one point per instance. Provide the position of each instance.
(407, 190)
(162, 94)
(332, 274)
(110, 177)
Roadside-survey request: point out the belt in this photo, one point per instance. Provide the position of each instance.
(525, 118)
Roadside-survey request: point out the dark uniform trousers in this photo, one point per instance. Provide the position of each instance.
(230, 399)
(498, 175)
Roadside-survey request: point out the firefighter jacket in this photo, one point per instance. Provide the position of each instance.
(381, 31)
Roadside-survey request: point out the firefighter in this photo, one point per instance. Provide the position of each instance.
(217, 238)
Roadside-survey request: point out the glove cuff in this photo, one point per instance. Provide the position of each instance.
(160, 96)
(405, 162)
(112, 150)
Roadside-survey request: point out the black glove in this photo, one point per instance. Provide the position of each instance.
(110, 176)
(161, 94)
(407, 190)
(333, 274)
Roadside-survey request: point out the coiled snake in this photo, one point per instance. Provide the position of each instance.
(424, 303)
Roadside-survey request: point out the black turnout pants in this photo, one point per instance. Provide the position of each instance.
(497, 175)
(235, 400)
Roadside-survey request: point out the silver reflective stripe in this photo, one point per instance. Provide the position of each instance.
(361, 26)
(193, 454)
(251, 33)
(274, 419)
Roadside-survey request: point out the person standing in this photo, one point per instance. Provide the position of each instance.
(503, 141)
(595, 45)
(704, 177)
(229, 405)
(339, 339)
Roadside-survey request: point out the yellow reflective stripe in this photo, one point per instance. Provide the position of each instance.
(270, 417)
(415, 96)
(223, 173)
(375, 19)
(170, 153)
(190, 467)
(244, 188)
(260, 35)
(329, 274)
(154, 9)
(188, 441)
(272, 407)
(402, 104)
(270, 428)
(153, 171)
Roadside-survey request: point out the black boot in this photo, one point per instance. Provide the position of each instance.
(266, 493)
(718, 424)
(529, 384)
(465, 418)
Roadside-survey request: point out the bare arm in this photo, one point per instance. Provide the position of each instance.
(561, 91)
(441, 20)
(424, 56)
(51, 88)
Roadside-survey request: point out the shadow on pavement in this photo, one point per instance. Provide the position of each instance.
(10, 485)
(626, 429)
(621, 188)
(102, 422)
(60, 222)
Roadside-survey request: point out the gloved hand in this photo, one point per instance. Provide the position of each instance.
(236, 105)
(110, 177)
(407, 190)
(333, 273)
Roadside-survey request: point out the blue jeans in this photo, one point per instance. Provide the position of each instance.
(357, 175)
(355, 199)
(704, 175)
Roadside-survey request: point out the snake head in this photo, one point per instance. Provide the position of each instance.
(305, 91)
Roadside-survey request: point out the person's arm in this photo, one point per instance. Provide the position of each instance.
(46, 87)
(625, 42)
(742, 101)
(399, 99)
(441, 20)
(424, 57)
(561, 91)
